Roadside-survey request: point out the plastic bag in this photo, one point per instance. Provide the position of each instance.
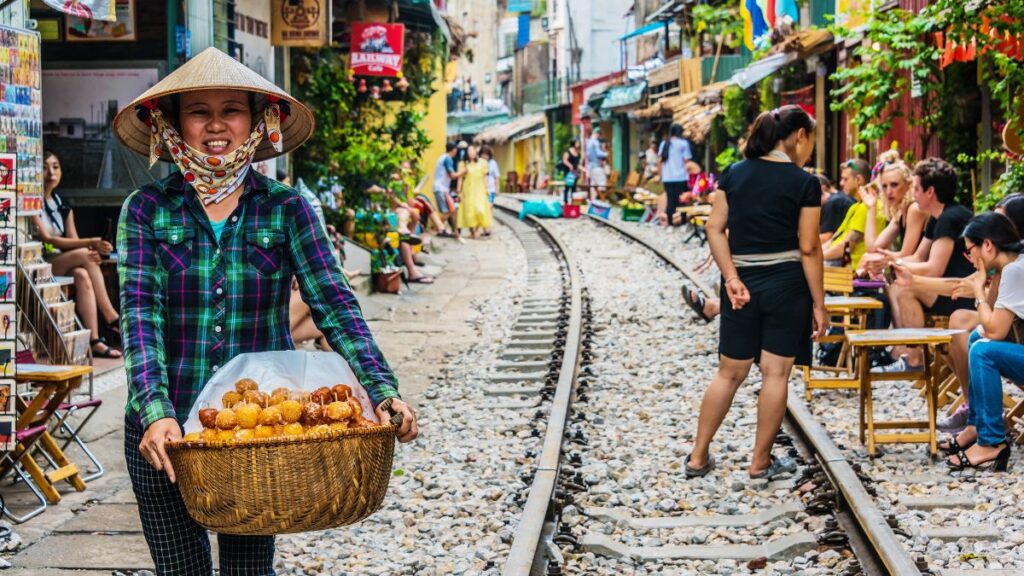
(88, 9)
(541, 208)
(293, 369)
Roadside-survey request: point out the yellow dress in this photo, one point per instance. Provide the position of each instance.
(474, 209)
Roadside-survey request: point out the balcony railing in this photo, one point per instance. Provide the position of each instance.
(543, 94)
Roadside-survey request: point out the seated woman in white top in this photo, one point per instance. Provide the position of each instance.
(78, 257)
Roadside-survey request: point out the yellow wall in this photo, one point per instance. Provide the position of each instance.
(436, 125)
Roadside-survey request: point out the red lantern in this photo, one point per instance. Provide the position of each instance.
(387, 86)
(362, 86)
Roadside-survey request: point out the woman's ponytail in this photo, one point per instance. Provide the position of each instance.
(772, 126)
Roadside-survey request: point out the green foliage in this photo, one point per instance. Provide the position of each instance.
(563, 135)
(717, 21)
(768, 97)
(735, 108)
(895, 49)
(727, 157)
(360, 140)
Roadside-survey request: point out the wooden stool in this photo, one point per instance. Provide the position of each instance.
(933, 341)
(854, 311)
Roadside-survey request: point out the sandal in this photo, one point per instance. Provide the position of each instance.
(778, 467)
(698, 472)
(410, 239)
(953, 447)
(696, 303)
(107, 352)
(998, 464)
(420, 280)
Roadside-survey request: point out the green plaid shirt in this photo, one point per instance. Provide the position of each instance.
(189, 303)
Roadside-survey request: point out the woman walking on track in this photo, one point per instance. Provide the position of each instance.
(475, 209)
(206, 260)
(772, 270)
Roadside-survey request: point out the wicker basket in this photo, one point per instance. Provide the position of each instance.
(285, 485)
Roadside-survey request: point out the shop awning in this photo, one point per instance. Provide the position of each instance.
(538, 132)
(472, 124)
(622, 96)
(644, 30)
(668, 11)
(798, 46)
(694, 111)
(664, 74)
(502, 133)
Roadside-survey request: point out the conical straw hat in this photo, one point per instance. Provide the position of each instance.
(212, 69)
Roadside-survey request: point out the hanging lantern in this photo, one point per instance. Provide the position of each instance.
(402, 84)
(362, 86)
(351, 75)
(387, 86)
(375, 91)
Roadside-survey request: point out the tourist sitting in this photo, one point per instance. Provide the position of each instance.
(406, 240)
(846, 247)
(833, 211)
(996, 348)
(941, 254)
(902, 235)
(79, 257)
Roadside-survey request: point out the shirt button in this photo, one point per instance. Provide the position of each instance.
(266, 240)
(217, 252)
(216, 328)
(215, 367)
(220, 290)
(234, 218)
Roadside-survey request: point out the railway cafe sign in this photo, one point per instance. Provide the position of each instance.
(300, 23)
(377, 49)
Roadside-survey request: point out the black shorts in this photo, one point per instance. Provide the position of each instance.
(777, 319)
(945, 306)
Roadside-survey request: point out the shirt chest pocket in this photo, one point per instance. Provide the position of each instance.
(265, 250)
(174, 247)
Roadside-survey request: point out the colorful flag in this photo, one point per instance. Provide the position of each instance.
(760, 17)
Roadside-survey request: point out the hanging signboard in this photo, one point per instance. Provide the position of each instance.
(300, 23)
(87, 9)
(377, 49)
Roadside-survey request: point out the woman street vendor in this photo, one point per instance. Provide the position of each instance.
(206, 260)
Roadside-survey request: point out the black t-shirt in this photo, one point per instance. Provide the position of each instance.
(951, 224)
(765, 199)
(834, 210)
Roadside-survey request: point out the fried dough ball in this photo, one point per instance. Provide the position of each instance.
(281, 390)
(290, 410)
(338, 426)
(231, 398)
(279, 395)
(357, 407)
(208, 417)
(293, 429)
(271, 416)
(227, 419)
(245, 434)
(248, 415)
(193, 437)
(246, 384)
(312, 414)
(262, 431)
(322, 395)
(225, 435)
(360, 422)
(278, 429)
(256, 397)
(319, 430)
(341, 392)
(338, 411)
(211, 435)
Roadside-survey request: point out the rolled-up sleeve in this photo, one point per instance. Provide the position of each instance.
(333, 305)
(142, 310)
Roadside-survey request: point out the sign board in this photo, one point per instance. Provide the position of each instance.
(377, 49)
(300, 23)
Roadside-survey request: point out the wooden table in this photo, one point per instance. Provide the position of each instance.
(932, 341)
(54, 385)
(854, 310)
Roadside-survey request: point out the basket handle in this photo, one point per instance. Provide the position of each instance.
(396, 417)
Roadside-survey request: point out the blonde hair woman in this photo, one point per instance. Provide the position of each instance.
(906, 219)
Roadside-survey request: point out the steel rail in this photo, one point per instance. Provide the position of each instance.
(885, 549)
(526, 541)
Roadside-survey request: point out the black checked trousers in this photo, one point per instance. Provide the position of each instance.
(179, 546)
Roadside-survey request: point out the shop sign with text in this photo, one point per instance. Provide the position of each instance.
(300, 23)
(377, 49)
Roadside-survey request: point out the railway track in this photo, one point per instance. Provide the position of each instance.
(833, 504)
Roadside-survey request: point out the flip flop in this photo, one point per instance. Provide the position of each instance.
(696, 303)
(698, 472)
(778, 467)
(420, 280)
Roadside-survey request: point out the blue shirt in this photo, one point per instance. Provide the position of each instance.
(594, 152)
(674, 169)
(218, 228)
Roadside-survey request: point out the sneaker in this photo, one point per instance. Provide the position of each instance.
(955, 422)
(898, 366)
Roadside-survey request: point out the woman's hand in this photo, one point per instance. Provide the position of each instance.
(869, 196)
(152, 445)
(972, 286)
(94, 256)
(903, 275)
(820, 318)
(409, 429)
(737, 291)
(102, 247)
